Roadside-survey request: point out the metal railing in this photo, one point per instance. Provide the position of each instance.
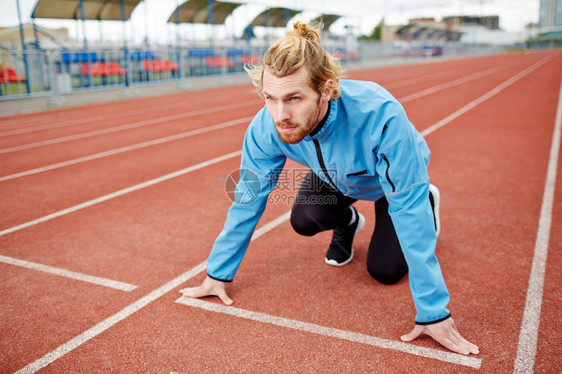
(41, 72)
(64, 71)
(13, 78)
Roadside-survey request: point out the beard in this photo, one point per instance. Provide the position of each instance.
(300, 130)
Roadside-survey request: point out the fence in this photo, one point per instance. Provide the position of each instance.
(40, 72)
(37, 72)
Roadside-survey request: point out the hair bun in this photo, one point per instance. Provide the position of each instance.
(309, 32)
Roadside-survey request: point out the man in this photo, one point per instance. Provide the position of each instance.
(359, 144)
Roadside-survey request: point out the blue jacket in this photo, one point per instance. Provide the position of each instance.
(368, 148)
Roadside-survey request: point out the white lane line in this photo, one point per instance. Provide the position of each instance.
(77, 341)
(127, 126)
(419, 79)
(485, 97)
(68, 274)
(424, 133)
(430, 77)
(120, 193)
(91, 333)
(454, 83)
(226, 124)
(312, 328)
(82, 117)
(194, 132)
(528, 336)
(127, 148)
(404, 99)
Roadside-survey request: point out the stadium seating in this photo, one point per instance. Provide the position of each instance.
(9, 75)
(219, 62)
(158, 66)
(101, 69)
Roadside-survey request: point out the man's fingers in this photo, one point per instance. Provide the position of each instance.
(417, 331)
(455, 347)
(473, 348)
(454, 342)
(195, 292)
(224, 297)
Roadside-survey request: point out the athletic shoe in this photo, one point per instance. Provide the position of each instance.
(340, 252)
(434, 198)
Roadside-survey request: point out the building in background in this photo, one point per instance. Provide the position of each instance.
(549, 31)
(421, 31)
(489, 22)
(48, 38)
(473, 30)
(550, 14)
(485, 30)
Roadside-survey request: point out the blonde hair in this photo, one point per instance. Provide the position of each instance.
(299, 47)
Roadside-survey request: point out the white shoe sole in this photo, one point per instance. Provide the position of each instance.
(334, 263)
(358, 229)
(436, 201)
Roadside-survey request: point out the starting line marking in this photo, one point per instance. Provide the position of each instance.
(132, 308)
(109, 322)
(528, 336)
(449, 357)
(68, 274)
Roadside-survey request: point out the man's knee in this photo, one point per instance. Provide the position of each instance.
(386, 274)
(302, 224)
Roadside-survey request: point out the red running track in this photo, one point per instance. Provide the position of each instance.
(75, 202)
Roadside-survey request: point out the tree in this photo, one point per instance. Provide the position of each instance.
(376, 34)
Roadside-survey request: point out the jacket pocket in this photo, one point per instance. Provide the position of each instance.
(357, 173)
(387, 172)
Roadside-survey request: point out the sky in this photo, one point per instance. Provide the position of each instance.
(361, 15)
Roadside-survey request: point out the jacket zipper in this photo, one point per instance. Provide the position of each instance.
(322, 165)
(387, 169)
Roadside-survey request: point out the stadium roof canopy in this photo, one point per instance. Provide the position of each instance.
(274, 17)
(197, 11)
(101, 10)
(327, 20)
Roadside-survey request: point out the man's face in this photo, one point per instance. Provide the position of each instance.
(294, 105)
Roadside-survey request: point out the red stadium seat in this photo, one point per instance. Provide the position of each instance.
(168, 65)
(96, 69)
(113, 68)
(250, 59)
(11, 76)
(153, 66)
(219, 62)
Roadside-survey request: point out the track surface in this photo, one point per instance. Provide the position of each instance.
(108, 210)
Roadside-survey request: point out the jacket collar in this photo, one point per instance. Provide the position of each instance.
(326, 127)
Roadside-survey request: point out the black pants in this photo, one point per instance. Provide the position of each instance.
(318, 207)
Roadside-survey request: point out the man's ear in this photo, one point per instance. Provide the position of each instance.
(327, 90)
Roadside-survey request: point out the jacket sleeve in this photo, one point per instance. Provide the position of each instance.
(260, 167)
(402, 159)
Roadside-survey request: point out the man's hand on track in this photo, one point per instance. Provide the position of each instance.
(445, 333)
(209, 287)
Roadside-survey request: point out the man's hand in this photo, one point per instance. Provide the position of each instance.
(445, 332)
(209, 287)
